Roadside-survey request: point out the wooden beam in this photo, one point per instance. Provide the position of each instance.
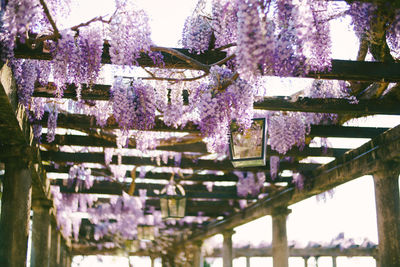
(345, 131)
(321, 251)
(113, 188)
(355, 163)
(186, 163)
(329, 105)
(341, 69)
(226, 177)
(171, 62)
(302, 104)
(79, 140)
(79, 121)
(74, 121)
(199, 147)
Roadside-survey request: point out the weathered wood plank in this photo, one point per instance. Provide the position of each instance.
(111, 188)
(341, 69)
(301, 252)
(86, 141)
(329, 105)
(208, 57)
(81, 249)
(226, 177)
(77, 121)
(186, 163)
(302, 104)
(199, 147)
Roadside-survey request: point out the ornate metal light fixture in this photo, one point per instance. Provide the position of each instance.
(248, 148)
(146, 228)
(172, 200)
(145, 232)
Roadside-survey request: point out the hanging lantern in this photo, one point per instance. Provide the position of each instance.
(173, 201)
(248, 148)
(131, 245)
(145, 228)
(145, 232)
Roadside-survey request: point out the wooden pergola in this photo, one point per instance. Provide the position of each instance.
(26, 182)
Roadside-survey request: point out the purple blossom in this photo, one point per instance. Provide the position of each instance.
(52, 124)
(129, 34)
(274, 166)
(196, 34)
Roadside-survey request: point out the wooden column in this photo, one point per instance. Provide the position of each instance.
(280, 250)
(247, 261)
(152, 261)
(197, 256)
(168, 260)
(305, 261)
(41, 233)
(16, 206)
(334, 263)
(388, 215)
(55, 246)
(227, 252)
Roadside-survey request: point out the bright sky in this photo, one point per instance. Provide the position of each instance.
(352, 209)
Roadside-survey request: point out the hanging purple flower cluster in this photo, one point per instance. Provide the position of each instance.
(361, 14)
(26, 82)
(196, 34)
(127, 212)
(80, 177)
(274, 166)
(145, 108)
(287, 130)
(294, 40)
(122, 102)
(249, 184)
(393, 34)
(52, 124)
(77, 59)
(19, 16)
(133, 105)
(224, 23)
(218, 106)
(129, 34)
(67, 205)
(90, 43)
(255, 41)
(319, 37)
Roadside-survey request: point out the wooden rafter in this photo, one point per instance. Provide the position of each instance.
(341, 69)
(201, 164)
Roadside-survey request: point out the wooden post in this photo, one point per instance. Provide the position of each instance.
(41, 233)
(68, 259)
(305, 261)
(152, 261)
(388, 215)
(197, 256)
(16, 206)
(227, 252)
(334, 263)
(168, 260)
(55, 246)
(280, 250)
(247, 261)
